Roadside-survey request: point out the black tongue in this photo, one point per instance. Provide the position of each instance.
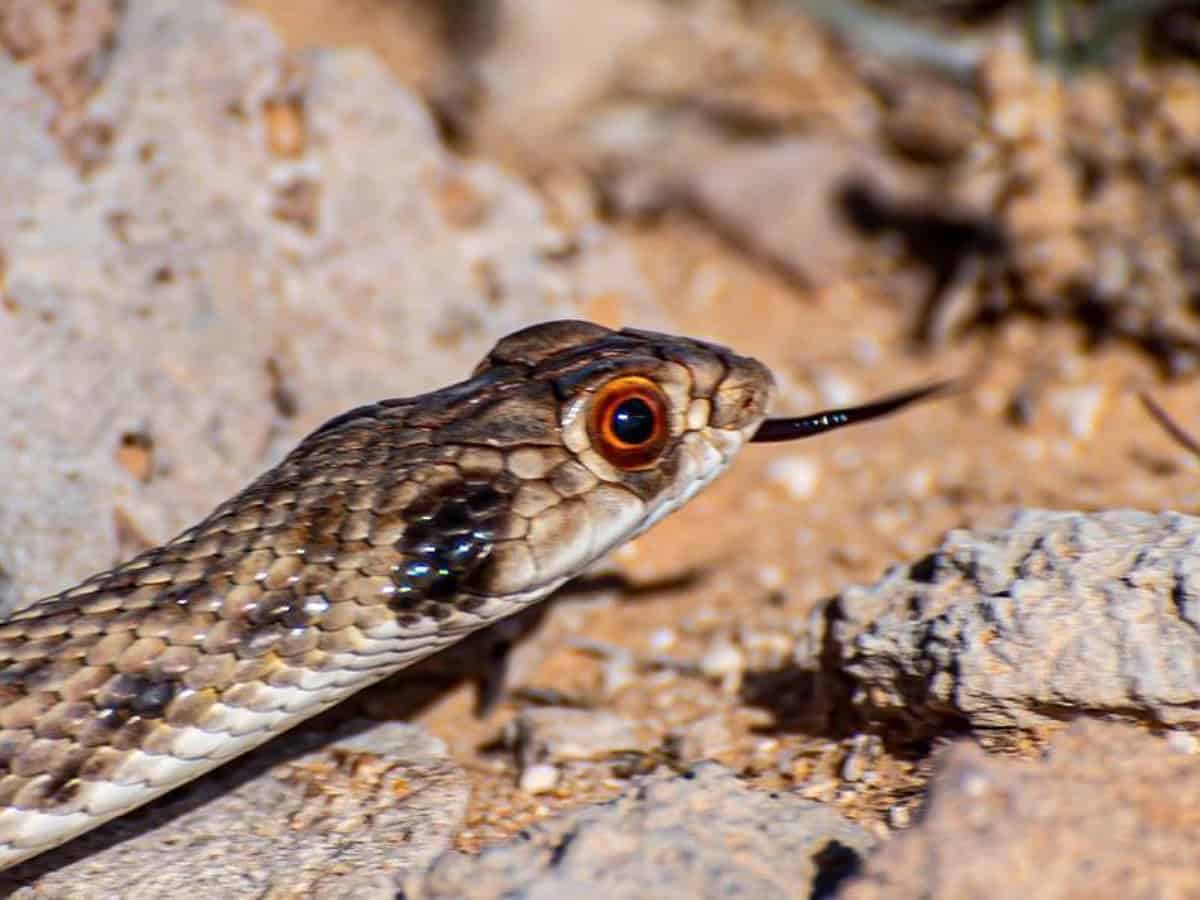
(794, 429)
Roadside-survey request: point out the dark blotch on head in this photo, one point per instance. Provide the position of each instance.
(484, 500)
(452, 517)
(421, 540)
(444, 586)
(416, 575)
(416, 535)
(461, 552)
(485, 529)
(423, 508)
(450, 534)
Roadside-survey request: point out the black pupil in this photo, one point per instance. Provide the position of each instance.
(633, 421)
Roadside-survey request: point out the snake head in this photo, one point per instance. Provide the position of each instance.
(639, 408)
(568, 440)
(603, 433)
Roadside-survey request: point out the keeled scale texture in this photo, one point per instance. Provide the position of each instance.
(389, 533)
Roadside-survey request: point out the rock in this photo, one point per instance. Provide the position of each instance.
(556, 734)
(1110, 813)
(255, 247)
(798, 224)
(704, 738)
(687, 107)
(344, 820)
(1058, 616)
(698, 835)
(540, 778)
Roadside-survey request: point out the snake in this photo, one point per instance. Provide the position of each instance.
(391, 532)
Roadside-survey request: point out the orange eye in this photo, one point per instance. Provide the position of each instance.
(628, 422)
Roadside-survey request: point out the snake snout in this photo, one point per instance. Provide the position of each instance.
(742, 398)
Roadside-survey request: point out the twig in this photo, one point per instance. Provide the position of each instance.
(1169, 425)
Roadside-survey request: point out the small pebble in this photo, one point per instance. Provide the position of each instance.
(663, 639)
(975, 784)
(822, 789)
(1183, 742)
(1080, 409)
(722, 659)
(539, 778)
(771, 577)
(618, 672)
(775, 645)
(854, 766)
(918, 483)
(864, 750)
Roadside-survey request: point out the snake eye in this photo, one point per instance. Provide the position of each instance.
(628, 422)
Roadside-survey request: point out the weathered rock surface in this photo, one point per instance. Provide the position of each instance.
(260, 241)
(698, 835)
(1110, 813)
(1059, 616)
(646, 96)
(555, 734)
(345, 820)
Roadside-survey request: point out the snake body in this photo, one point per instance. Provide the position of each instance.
(389, 533)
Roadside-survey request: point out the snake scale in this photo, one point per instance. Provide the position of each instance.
(389, 533)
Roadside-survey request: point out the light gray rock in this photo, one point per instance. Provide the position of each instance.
(208, 292)
(344, 820)
(1109, 813)
(701, 835)
(1060, 615)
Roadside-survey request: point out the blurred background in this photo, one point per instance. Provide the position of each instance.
(223, 223)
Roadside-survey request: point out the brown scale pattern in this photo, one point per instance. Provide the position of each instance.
(391, 531)
(270, 585)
